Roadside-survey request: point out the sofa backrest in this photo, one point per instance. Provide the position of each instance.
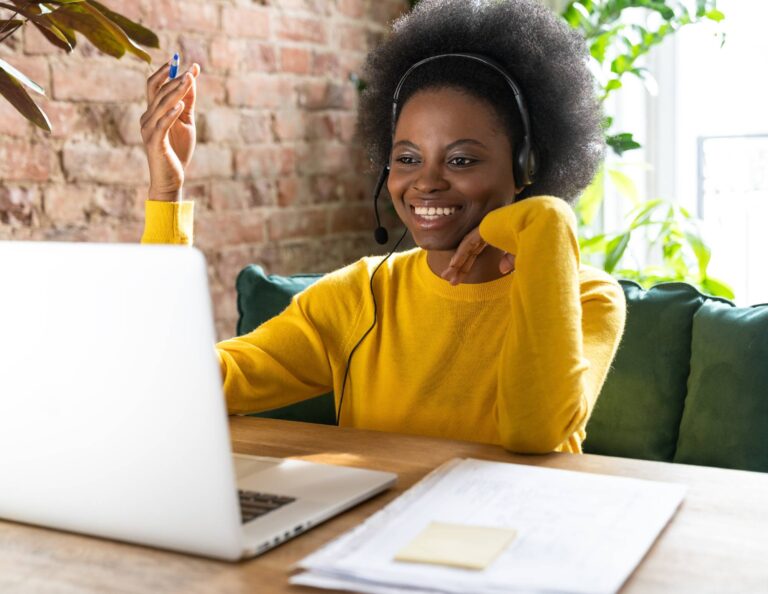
(261, 296)
(689, 383)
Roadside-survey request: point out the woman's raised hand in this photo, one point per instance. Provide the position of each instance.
(168, 130)
(466, 254)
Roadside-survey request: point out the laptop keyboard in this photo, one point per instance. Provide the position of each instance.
(254, 505)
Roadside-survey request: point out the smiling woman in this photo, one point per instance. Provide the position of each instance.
(490, 330)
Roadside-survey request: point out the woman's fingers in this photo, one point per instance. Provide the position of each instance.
(507, 263)
(464, 257)
(164, 123)
(156, 80)
(166, 99)
(190, 99)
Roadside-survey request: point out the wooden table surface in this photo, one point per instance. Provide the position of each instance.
(717, 542)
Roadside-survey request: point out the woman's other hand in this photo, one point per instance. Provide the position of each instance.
(464, 258)
(168, 130)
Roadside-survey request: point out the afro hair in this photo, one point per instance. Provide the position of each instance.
(543, 55)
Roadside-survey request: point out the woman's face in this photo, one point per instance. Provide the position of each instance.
(451, 164)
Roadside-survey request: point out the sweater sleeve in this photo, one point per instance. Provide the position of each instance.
(168, 222)
(288, 358)
(563, 332)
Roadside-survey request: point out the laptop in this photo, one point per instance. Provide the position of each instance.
(112, 417)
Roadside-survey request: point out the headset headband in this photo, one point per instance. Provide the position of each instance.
(521, 107)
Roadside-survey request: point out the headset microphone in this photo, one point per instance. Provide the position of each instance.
(380, 233)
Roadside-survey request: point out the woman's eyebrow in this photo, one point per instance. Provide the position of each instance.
(454, 144)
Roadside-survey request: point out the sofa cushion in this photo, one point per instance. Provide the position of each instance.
(638, 412)
(260, 297)
(725, 420)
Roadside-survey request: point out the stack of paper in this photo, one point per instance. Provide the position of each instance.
(565, 532)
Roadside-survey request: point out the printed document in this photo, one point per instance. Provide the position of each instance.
(575, 532)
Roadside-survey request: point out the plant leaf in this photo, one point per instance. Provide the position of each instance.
(9, 26)
(615, 251)
(100, 31)
(717, 287)
(589, 203)
(620, 143)
(624, 185)
(135, 31)
(17, 96)
(21, 78)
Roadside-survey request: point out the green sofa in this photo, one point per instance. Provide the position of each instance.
(689, 383)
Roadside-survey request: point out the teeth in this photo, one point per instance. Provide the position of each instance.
(431, 211)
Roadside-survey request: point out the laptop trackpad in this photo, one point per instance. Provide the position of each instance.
(247, 465)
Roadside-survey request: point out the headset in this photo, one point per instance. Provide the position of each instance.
(524, 168)
(524, 159)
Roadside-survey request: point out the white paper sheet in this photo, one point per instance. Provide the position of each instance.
(577, 532)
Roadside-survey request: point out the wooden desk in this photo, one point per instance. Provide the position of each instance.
(717, 542)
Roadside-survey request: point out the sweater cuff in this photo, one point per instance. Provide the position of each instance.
(168, 222)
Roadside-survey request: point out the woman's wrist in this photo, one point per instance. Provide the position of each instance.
(165, 196)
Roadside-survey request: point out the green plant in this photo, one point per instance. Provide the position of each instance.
(617, 45)
(59, 21)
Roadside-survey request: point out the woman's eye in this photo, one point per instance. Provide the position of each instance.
(406, 160)
(461, 161)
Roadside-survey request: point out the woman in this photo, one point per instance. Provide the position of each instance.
(490, 330)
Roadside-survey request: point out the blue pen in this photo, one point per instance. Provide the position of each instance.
(174, 67)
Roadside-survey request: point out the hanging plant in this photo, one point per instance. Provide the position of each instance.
(59, 21)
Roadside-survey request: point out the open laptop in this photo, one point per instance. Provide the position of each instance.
(112, 417)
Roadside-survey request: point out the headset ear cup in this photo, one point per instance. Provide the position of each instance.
(525, 167)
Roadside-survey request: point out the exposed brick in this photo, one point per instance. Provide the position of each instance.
(240, 21)
(12, 123)
(219, 124)
(24, 160)
(100, 80)
(347, 126)
(288, 125)
(328, 159)
(296, 59)
(19, 205)
(351, 37)
(325, 188)
(34, 67)
(104, 164)
(255, 128)
(193, 49)
(301, 29)
(352, 217)
(288, 191)
(259, 90)
(326, 64)
(317, 94)
(210, 161)
(66, 204)
(243, 55)
(127, 119)
(322, 126)
(180, 15)
(265, 161)
(234, 258)
(36, 43)
(214, 230)
(211, 89)
(240, 194)
(354, 9)
(293, 223)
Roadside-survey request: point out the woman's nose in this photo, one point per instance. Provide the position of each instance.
(430, 178)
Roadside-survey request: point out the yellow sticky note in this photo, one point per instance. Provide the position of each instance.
(457, 545)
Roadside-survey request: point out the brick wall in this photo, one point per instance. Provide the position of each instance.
(278, 177)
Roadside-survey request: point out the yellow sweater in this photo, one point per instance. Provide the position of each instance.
(518, 361)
